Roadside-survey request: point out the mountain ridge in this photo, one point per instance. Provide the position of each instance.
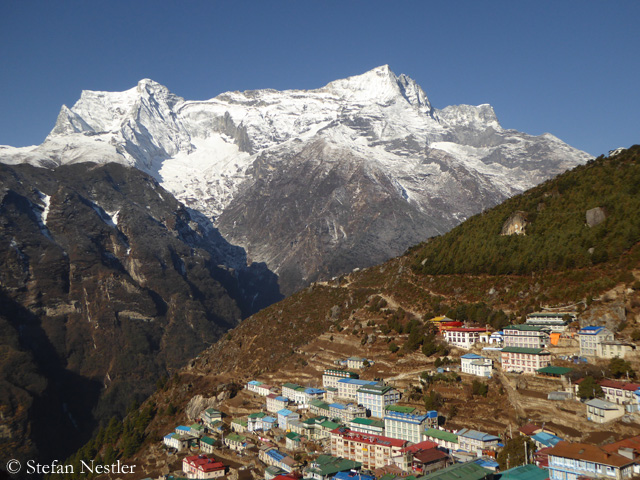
(214, 155)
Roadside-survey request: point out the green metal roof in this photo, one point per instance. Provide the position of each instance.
(529, 351)
(258, 415)
(240, 421)
(233, 437)
(460, 471)
(442, 435)
(207, 440)
(328, 424)
(293, 386)
(525, 472)
(292, 436)
(551, 370)
(369, 422)
(328, 465)
(397, 408)
(524, 327)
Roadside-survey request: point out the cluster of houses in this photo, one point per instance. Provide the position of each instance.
(364, 432)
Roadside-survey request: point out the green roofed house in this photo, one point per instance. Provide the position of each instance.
(239, 425)
(526, 336)
(400, 409)
(443, 438)
(460, 471)
(235, 442)
(211, 415)
(326, 427)
(207, 444)
(367, 425)
(318, 407)
(552, 371)
(525, 360)
(524, 472)
(326, 466)
(293, 441)
(272, 471)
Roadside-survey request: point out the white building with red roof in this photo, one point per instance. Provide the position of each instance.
(463, 337)
(201, 466)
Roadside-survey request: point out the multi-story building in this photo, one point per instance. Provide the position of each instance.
(603, 411)
(525, 360)
(326, 466)
(317, 407)
(615, 349)
(376, 397)
(330, 377)
(284, 416)
(556, 322)
(348, 387)
(346, 412)
(358, 362)
(570, 461)
(276, 402)
(201, 466)
(373, 451)
(476, 365)
(406, 423)
(444, 439)
(463, 337)
(474, 441)
(291, 391)
(253, 385)
(591, 338)
(525, 336)
(211, 416)
(367, 425)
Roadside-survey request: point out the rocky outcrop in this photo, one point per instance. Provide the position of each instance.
(609, 314)
(595, 216)
(515, 224)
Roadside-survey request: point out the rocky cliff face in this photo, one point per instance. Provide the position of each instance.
(107, 282)
(313, 183)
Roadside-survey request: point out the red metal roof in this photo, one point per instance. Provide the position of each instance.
(204, 463)
(369, 438)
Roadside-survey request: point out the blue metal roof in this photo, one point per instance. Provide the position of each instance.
(356, 381)
(546, 439)
(338, 406)
(280, 398)
(313, 391)
(284, 412)
(472, 356)
(269, 420)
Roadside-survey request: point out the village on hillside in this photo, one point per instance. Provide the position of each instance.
(344, 427)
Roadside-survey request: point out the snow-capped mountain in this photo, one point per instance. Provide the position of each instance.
(314, 183)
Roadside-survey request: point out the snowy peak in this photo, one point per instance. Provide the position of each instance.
(379, 85)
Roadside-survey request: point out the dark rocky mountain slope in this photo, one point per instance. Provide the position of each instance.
(107, 283)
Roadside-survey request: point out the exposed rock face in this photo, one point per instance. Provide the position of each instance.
(609, 314)
(515, 224)
(596, 216)
(106, 283)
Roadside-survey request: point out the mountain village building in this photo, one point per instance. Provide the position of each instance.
(525, 336)
(406, 423)
(330, 377)
(373, 451)
(570, 461)
(603, 411)
(376, 397)
(463, 337)
(276, 402)
(591, 338)
(444, 439)
(476, 365)
(348, 387)
(525, 360)
(201, 466)
(557, 322)
(474, 441)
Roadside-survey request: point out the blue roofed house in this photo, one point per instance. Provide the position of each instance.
(268, 423)
(184, 430)
(544, 439)
(284, 416)
(348, 387)
(276, 402)
(350, 475)
(474, 441)
(476, 365)
(590, 339)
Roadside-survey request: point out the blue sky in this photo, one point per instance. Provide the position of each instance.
(571, 68)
